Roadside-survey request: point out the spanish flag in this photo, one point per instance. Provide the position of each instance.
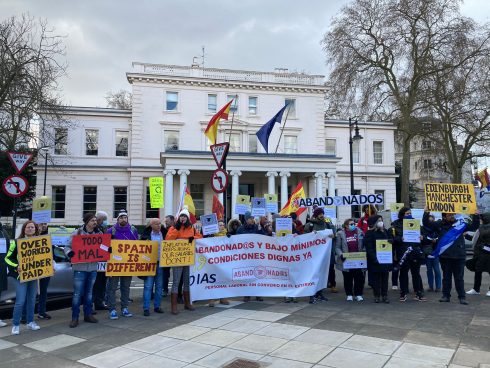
(218, 208)
(187, 202)
(484, 179)
(212, 129)
(292, 204)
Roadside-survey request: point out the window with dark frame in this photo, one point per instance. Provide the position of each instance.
(150, 212)
(60, 141)
(197, 194)
(58, 201)
(89, 199)
(122, 143)
(91, 142)
(120, 200)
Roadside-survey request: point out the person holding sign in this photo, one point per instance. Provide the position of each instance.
(4, 245)
(183, 229)
(409, 256)
(376, 235)
(25, 292)
(481, 248)
(156, 232)
(350, 240)
(84, 273)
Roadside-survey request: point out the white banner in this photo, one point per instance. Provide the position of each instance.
(258, 265)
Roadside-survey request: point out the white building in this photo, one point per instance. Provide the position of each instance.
(105, 161)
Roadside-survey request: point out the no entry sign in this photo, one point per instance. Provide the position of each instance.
(15, 186)
(219, 180)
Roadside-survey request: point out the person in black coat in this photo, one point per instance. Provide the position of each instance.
(3, 266)
(380, 271)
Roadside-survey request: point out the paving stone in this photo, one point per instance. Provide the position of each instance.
(302, 351)
(300, 320)
(475, 342)
(54, 343)
(9, 356)
(323, 337)
(395, 362)
(219, 337)
(235, 313)
(116, 357)
(383, 332)
(82, 350)
(430, 339)
(27, 336)
(185, 332)
(245, 325)
(258, 344)
(424, 353)
(282, 331)
(212, 321)
(266, 316)
(471, 358)
(6, 344)
(224, 356)
(273, 362)
(371, 344)
(339, 325)
(188, 351)
(156, 361)
(345, 358)
(45, 360)
(152, 344)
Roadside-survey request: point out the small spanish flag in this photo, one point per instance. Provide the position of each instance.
(212, 129)
(484, 179)
(292, 204)
(218, 208)
(190, 205)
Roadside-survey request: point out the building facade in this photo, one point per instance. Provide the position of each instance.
(105, 160)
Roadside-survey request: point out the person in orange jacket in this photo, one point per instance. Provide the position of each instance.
(182, 229)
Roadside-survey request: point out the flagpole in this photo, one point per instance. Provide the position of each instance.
(232, 119)
(224, 166)
(283, 126)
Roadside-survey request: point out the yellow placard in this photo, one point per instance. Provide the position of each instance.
(41, 204)
(243, 199)
(450, 198)
(283, 232)
(35, 257)
(133, 258)
(270, 198)
(156, 192)
(383, 246)
(395, 207)
(411, 224)
(177, 253)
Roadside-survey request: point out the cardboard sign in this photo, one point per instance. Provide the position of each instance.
(35, 257)
(60, 236)
(90, 248)
(354, 260)
(242, 204)
(258, 206)
(395, 208)
(384, 251)
(284, 226)
(347, 200)
(450, 198)
(209, 224)
(271, 205)
(133, 258)
(41, 210)
(156, 192)
(176, 253)
(411, 230)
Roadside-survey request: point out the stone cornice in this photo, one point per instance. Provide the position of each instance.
(222, 84)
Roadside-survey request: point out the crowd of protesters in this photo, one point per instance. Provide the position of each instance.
(95, 291)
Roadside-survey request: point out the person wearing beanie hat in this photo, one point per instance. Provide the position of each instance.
(84, 274)
(99, 290)
(481, 248)
(122, 230)
(249, 226)
(379, 271)
(182, 229)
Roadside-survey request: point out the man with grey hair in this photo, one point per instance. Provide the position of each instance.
(98, 292)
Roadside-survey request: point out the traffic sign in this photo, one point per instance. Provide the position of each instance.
(19, 160)
(15, 186)
(219, 180)
(220, 151)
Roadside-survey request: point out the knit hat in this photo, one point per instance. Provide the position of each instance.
(185, 212)
(372, 220)
(247, 215)
(87, 217)
(121, 213)
(318, 211)
(102, 214)
(485, 217)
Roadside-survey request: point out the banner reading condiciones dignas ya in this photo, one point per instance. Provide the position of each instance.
(260, 265)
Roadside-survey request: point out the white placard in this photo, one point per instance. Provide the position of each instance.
(258, 206)
(3, 245)
(209, 224)
(284, 225)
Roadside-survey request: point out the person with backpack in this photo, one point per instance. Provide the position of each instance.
(182, 229)
(84, 274)
(122, 230)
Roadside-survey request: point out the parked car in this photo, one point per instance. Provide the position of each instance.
(61, 284)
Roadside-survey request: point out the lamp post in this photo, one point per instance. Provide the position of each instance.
(356, 137)
(45, 152)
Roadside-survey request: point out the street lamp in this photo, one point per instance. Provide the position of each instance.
(356, 137)
(45, 152)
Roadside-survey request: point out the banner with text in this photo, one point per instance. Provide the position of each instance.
(347, 200)
(450, 198)
(176, 253)
(90, 248)
(156, 191)
(133, 258)
(259, 265)
(35, 258)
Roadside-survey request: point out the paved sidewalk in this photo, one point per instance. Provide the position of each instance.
(332, 334)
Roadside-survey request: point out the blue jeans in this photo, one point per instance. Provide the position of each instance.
(158, 280)
(433, 271)
(83, 282)
(25, 293)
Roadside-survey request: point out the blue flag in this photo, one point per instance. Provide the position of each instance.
(264, 133)
(449, 238)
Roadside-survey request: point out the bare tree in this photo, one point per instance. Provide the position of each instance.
(119, 100)
(381, 53)
(31, 63)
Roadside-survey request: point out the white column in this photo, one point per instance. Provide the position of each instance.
(169, 192)
(331, 183)
(183, 179)
(271, 182)
(284, 187)
(320, 176)
(235, 174)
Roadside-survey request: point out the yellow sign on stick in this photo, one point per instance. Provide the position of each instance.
(176, 253)
(384, 251)
(35, 257)
(156, 192)
(450, 198)
(133, 258)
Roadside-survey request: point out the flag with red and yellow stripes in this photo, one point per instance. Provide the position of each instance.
(212, 129)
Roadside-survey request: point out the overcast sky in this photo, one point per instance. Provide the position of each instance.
(104, 37)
